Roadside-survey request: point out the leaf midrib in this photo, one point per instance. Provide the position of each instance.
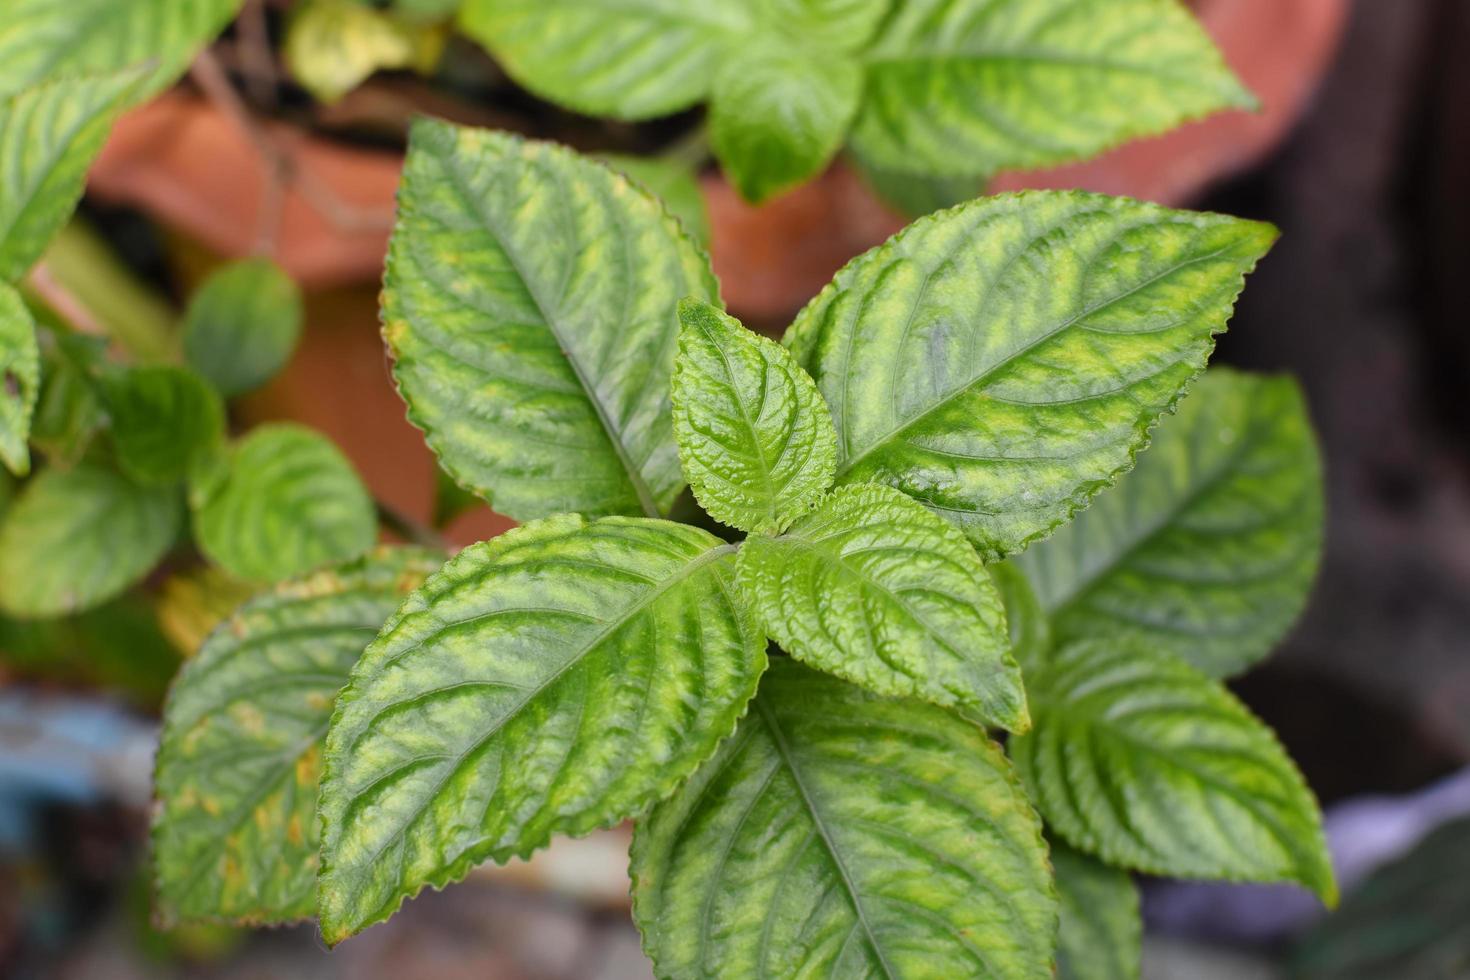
(778, 738)
(1006, 361)
(649, 506)
(760, 454)
(685, 572)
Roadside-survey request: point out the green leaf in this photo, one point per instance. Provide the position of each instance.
(673, 183)
(1142, 760)
(635, 59)
(49, 136)
(1101, 934)
(426, 11)
(333, 46)
(75, 538)
(779, 115)
(915, 195)
(961, 88)
(235, 832)
(44, 39)
(1208, 549)
(1410, 920)
(530, 307)
(20, 380)
(556, 679)
(1004, 360)
(242, 325)
(286, 502)
(1030, 631)
(163, 417)
(69, 412)
(839, 834)
(875, 589)
(755, 439)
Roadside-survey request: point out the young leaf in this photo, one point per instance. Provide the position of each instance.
(840, 834)
(286, 501)
(333, 46)
(1142, 760)
(529, 304)
(20, 380)
(755, 438)
(162, 418)
(242, 325)
(1101, 933)
(1208, 549)
(876, 589)
(1004, 360)
(44, 39)
(69, 411)
(556, 679)
(75, 538)
(48, 138)
(235, 834)
(670, 182)
(968, 88)
(779, 115)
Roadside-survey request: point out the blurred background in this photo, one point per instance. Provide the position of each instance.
(1361, 155)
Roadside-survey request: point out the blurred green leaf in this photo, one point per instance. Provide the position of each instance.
(242, 324)
(1101, 934)
(162, 418)
(69, 412)
(20, 380)
(333, 46)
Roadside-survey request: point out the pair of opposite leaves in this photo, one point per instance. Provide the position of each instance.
(397, 714)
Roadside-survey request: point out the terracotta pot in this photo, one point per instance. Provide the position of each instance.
(195, 171)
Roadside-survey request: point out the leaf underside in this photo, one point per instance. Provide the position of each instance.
(755, 440)
(289, 502)
(1208, 549)
(20, 380)
(1003, 361)
(530, 305)
(75, 538)
(555, 679)
(966, 88)
(878, 590)
(840, 834)
(1142, 760)
(235, 835)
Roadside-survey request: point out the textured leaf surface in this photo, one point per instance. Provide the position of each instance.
(874, 588)
(287, 502)
(553, 680)
(44, 39)
(75, 538)
(242, 325)
(163, 417)
(1101, 933)
(235, 836)
(778, 116)
(48, 137)
(673, 183)
(839, 834)
(635, 59)
(530, 307)
(20, 380)
(968, 88)
(1142, 760)
(1208, 549)
(755, 438)
(1003, 361)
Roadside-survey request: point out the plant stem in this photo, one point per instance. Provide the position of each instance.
(690, 150)
(409, 529)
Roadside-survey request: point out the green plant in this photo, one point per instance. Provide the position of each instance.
(836, 804)
(920, 89)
